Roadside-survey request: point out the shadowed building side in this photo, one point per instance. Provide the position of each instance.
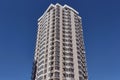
(34, 68)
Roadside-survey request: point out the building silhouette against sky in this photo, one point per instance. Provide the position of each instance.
(60, 52)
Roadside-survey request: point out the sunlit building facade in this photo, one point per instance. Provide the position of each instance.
(59, 52)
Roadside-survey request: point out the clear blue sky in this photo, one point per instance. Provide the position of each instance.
(18, 27)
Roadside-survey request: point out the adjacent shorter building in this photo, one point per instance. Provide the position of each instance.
(60, 52)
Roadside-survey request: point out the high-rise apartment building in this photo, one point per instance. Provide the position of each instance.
(60, 52)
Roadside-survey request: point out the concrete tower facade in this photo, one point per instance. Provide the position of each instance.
(60, 52)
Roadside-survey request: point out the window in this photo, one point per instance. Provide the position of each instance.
(51, 58)
(50, 74)
(45, 70)
(57, 63)
(50, 68)
(51, 48)
(51, 53)
(51, 63)
(56, 74)
(56, 68)
(41, 72)
(40, 63)
(45, 65)
(41, 67)
(40, 78)
(44, 76)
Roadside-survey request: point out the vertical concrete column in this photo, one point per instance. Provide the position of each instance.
(75, 60)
